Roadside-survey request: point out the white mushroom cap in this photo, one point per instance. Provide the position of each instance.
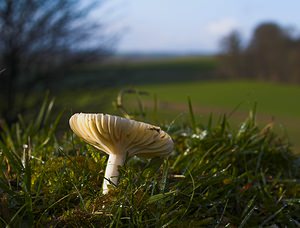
(120, 138)
(115, 135)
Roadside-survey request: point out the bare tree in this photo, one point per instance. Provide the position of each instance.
(271, 54)
(39, 36)
(268, 51)
(231, 51)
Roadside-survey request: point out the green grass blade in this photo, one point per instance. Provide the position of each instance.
(52, 205)
(273, 215)
(192, 116)
(15, 215)
(39, 120)
(48, 111)
(155, 198)
(3, 221)
(249, 205)
(246, 218)
(155, 108)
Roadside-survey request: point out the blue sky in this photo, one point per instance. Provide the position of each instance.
(193, 25)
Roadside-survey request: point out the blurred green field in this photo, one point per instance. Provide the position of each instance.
(94, 87)
(275, 102)
(272, 99)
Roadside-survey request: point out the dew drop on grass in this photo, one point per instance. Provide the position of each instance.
(242, 129)
(186, 152)
(195, 136)
(203, 134)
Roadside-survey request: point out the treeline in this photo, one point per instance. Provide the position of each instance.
(272, 53)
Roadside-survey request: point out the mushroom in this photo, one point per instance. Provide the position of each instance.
(120, 138)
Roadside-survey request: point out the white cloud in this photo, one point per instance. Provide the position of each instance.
(214, 31)
(222, 27)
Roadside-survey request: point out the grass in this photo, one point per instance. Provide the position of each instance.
(274, 99)
(215, 177)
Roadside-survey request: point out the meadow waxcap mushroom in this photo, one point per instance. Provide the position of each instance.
(120, 138)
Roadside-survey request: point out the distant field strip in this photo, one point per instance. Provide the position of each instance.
(274, 101)
(271, 99)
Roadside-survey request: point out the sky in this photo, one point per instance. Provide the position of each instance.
(193, 26)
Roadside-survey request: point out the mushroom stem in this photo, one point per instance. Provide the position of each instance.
(112, 171)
